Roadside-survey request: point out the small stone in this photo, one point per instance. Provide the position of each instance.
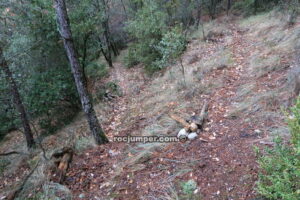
(257, 131)
(212, 137)
(81, 196)
(192, 136)
(112, 153)
(182, 133)
(216, 159)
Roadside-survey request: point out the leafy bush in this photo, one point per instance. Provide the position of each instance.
(131, 59)
(170, 47)
(95, 70)
(108, 90)
(248, 7)
(49, 92)
(156, 45)
(189, 187)
(294, 125)
(8, 120)
(280, 178)
(147, 28)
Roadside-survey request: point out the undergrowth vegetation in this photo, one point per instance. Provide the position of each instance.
(281, 165)
(156, 43)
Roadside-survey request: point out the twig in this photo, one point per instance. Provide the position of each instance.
(11, 153)
(39, 142)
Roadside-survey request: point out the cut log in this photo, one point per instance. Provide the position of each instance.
(203, 114)
(61, 160)
(182, 121)
(195, 122)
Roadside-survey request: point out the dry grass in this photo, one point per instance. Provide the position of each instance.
(274, 44)
(251, 104)
(218, 26)
(169, 93)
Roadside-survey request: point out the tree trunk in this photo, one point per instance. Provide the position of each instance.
(107, 58)
(228, 6)
(105, 26)
(198, 14)
(114, 48)
(18, 102)
(255, 6)
(65, 32)
(124, 8)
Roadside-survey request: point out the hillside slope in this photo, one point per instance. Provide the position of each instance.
(245, 76)
(246, 72)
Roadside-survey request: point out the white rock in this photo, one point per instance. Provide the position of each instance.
(181, 133)
(257, 131)
(192, 136)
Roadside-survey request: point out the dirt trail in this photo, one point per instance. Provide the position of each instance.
(224, 167)
(120, 74)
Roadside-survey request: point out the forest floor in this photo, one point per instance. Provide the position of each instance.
(245, 96)
(243, 111)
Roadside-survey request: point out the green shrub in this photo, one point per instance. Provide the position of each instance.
(8, 115)
(280, 176)
(189, 187)
(147, 28)
(106, 91)
(50, 92)
(131, 59)
(248, 7)
(170, 47)
(294, 126)
(96, 70)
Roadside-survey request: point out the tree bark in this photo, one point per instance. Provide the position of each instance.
(106, 32)
(65, 32)
(17, 101)
(124, 8)
(255, 6)
(228, 6)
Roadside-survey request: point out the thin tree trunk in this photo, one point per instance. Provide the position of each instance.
(65, 32)
(182, 70)
(18, 102)
(198, 14)
(84, 57)
(255, 6)
(228, 6)
(108, 60)
(124, 8)
(102, 7)
(114, 49)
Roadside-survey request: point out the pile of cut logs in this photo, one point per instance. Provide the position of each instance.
(193, 125)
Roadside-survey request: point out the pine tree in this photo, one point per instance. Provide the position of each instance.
(65, 32)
